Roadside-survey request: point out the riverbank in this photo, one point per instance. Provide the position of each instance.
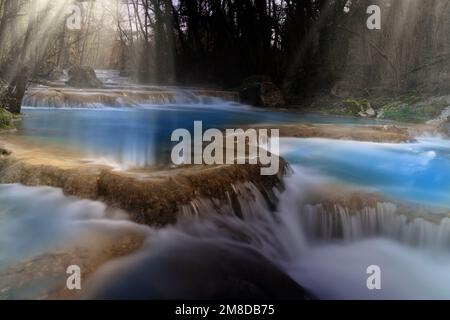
(371, 133)
(413, 107)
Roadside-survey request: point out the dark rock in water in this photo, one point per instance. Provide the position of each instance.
(4, 152)
(261, 92)
(83, 77)
(176, 266)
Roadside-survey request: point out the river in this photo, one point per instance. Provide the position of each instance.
(316, 235)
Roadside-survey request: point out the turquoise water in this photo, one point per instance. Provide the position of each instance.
(35, 221)
(141, 136)
(415, 172)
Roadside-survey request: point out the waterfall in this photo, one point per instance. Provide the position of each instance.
(66, 98)
(383, 220)
(297, 224)
(120, 92)
(320, 245)
(324, 247)
(248, 221)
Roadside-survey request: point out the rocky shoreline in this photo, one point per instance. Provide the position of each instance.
(153, 197)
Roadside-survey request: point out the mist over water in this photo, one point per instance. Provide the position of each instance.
(38, 225)
(338, 271)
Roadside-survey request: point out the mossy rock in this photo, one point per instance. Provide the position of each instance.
(411, 98)
(6, 119)
(355, 106)
(415, 113)
(83, 77)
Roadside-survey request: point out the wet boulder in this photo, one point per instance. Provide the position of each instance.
(83, 77)
(181, 267)
(261, 92)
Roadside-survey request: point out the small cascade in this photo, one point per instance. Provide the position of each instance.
(297, 237)
(325, 224)
(296, 225)
(65, 98)
(119, 91)
(246, 201)
(245, 218)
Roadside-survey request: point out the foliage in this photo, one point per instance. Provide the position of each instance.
(417, 112)
(410, 107)
(354, 106)
(5, 119)
(226, 41)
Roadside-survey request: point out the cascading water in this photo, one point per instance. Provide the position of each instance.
(325, 247)
(44, 98)
(382, 220)
(139, 135)
(348, 205)
(326, 252)
(119, 92)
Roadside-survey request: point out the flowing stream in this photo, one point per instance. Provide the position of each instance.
(346, 206)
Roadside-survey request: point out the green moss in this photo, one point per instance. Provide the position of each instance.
(354, 106)
(411, 98)
(347, 107)
(410, 107)
(5, 119)
(415, 113)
